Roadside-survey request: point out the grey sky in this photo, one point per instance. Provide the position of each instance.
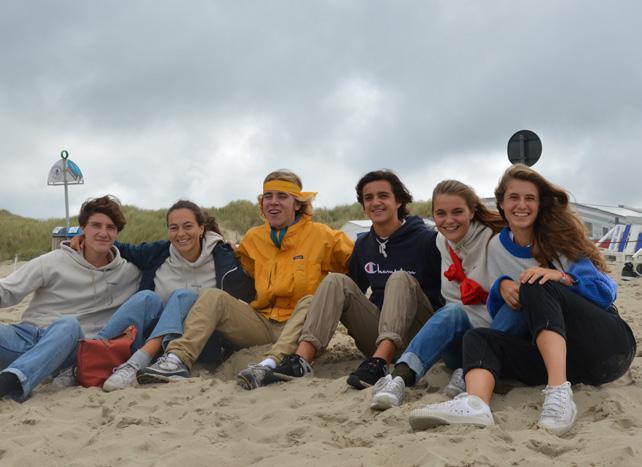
(157, 101)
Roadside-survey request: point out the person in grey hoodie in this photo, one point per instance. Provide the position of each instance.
(174, 271)
(74, 294)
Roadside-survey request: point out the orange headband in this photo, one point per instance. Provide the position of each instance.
(289, 188)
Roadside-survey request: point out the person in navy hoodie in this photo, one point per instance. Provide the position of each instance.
(548, 270)
(399, 261)
(174, 271)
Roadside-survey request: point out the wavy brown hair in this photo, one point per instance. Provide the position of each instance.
(557, 229)
(481, 213)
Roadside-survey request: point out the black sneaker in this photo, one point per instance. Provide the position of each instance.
(368, 373)
(292, 366)
(628, 273)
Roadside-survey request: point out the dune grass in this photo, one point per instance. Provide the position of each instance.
(28, 238)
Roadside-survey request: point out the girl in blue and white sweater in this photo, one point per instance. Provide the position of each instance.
(548, 270)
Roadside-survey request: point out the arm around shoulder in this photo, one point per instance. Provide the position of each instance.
(592, 284)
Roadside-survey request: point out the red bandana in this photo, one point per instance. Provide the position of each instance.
(471, 292)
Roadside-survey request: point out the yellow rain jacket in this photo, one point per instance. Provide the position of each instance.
(309, 251)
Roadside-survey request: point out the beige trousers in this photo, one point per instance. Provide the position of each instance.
(238, 323)
(338, 298)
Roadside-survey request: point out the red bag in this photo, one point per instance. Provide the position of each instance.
(97, 358)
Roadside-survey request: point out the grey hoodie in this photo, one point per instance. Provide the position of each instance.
(65, 284)
(178, 273)
(472, 250)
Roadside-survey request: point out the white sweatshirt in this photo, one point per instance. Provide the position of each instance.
(472, 250)
(178, 273)
(65, 284)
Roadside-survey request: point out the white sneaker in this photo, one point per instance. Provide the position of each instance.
(387, 392)
(123, 377)
(456, 385)
(463, 409)
(559, 411)
(66, 378)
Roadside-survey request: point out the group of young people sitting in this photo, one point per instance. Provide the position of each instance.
(520, 293)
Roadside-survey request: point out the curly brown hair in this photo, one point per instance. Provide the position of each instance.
(481, 213)
(557, 229)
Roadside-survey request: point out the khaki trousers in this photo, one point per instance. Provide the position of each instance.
(338, 298)
(237, 322)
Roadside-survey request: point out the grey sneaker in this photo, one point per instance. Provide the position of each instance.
(463, 409)
(123, 377)
(559, 411)
(167, 368)
(456, 385)
(387, 393)
(66, 378)
(255, 376)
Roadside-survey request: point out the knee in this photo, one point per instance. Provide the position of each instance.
(335, 279)
(68, 326)
(183, 294)
(211, 297)
(146, 298)
(399, 279)
(451, 313)
(534, 291)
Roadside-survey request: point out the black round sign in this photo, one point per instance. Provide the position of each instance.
(524, 147)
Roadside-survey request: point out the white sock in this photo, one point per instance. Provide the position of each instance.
(140, 359)
(269, 362)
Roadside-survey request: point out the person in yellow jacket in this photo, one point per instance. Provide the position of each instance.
(288, 257)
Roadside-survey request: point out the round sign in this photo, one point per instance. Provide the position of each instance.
(524, 147)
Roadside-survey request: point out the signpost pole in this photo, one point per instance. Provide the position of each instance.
(65, 155)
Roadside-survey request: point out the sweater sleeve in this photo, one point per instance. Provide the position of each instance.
(247, 263)
(433, 270)
(341, 252)
(21, 283)
(592, 284)
(142, 254)
(495, 300)
(356, 271)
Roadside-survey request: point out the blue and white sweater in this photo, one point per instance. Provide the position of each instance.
(507, 260)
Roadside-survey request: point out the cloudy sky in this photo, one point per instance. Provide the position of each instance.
(161, 100)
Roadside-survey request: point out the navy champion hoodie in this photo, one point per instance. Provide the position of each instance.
(410, 248)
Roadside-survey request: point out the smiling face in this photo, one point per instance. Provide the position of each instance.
(521, 206)
(185, 233)
(100, 234)
(380, 204)
(279, 208)
(452, 216)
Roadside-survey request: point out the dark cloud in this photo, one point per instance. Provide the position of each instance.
(160, 100)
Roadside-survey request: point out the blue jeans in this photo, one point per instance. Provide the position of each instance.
(443, 334)
(32, 353)
(145, 310)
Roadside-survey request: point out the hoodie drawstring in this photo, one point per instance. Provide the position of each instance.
(382, 247)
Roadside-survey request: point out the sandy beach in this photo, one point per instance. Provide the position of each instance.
(209, 420)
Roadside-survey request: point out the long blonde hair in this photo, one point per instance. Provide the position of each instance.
(480, 212)
(557, 229)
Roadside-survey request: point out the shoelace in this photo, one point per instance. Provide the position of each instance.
(555, 401)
